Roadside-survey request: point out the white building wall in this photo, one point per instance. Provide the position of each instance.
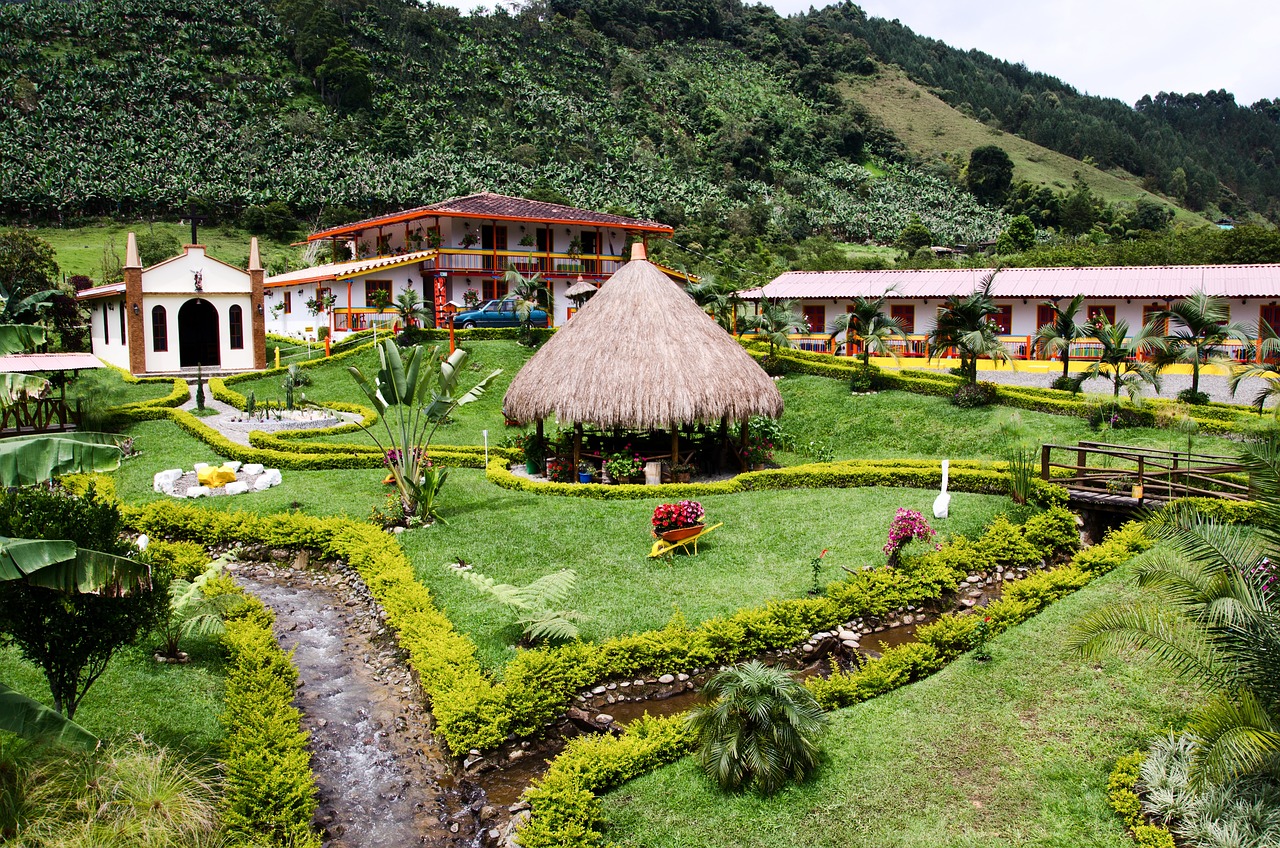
(170, 360)
(115, 352)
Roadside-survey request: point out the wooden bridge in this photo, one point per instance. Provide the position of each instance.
(1124, 478)
(38, 415)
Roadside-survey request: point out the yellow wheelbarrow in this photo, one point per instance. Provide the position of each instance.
(667, 547)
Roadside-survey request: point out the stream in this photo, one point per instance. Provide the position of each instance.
(382, 777)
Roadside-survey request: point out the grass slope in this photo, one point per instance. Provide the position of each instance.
(900, 424)
(761, 553)
(1013, 752)
(930, 127)
(80, 249)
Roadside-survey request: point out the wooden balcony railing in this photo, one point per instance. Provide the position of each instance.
(39, 415)
(526, 262)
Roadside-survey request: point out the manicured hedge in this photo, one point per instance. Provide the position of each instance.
(1218, 418)
(269, 794)
(565, 810)
(1123, 798)
(965, 476)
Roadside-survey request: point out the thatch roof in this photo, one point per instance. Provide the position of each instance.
(641, 354)
(581, 288)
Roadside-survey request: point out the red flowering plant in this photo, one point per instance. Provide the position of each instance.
(674, 516)
(907, 524)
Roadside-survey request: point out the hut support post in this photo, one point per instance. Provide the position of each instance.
(742, 454)
(542, 443)
(675, 448)
(577, 446)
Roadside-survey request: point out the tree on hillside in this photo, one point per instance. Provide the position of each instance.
(1199, 327)
(155, 247)
(990, 174)
(913, 236)
(1079, 209)
(1020, 235)
(343, 77)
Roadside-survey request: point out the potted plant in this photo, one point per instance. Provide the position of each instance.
(415, 239)
(585, 472)
(471, 298)
(433, 239)
(469, 239)
(756, 453)
(673, 522)
(682, 472)
(527, 240)
(623, 467)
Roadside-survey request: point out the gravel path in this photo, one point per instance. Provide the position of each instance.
(238, 431)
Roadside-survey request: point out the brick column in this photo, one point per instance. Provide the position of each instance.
(256, 278)
(137, 340)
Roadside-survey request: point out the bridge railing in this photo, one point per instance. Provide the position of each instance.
(1143, 473)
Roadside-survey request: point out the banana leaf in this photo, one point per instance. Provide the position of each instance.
(15, 338)
(32, 720)
(14, 387)
(28, 460)
(59, 564)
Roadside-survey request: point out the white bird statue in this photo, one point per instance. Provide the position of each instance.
(942, 503)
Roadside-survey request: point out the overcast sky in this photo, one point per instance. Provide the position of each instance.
(1113, 48)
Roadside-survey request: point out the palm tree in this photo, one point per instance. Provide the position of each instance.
(1058, 335)
(1120, 358)
(964, 323)
(1199, 327)
(867, 321)
(411, 308)
(776, 321)
(529, 293)
(719, 298)
(1213, 619)
(1266, 369)
(759, 726)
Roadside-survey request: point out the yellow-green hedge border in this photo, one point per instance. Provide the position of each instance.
(1123, 798)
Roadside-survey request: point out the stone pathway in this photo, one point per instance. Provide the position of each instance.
(238, 431)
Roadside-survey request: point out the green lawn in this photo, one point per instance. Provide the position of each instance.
(1013, 752)
(901, 424)
(172, 705)
(80, 250)
(342, 492)
(335, 383)
(762, 552)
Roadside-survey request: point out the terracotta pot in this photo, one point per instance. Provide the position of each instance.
(680, 533)
(683, 477)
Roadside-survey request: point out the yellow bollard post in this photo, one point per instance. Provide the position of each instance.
(277, 357)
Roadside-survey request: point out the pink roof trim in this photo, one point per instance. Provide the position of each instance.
(345, 270)
(1159, 282)
(100, 291)
(16, 363)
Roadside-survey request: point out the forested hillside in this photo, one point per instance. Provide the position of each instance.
(733, 123)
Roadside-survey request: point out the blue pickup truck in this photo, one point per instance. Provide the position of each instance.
(496, 313)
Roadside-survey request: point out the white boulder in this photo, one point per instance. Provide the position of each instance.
(198, 492)
(253, 468)
(199, 466)
(164, 480)
(233, 464)
(269, 478)
(237, 488)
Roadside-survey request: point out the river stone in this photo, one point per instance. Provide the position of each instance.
(198, 492)
(254, 468)
(850, 644)
(233, 464)
(269, 478)
(237, 488)
(807, 648)
(682, 677)
(599, 690)
(604, 719)
(667, 678)
(164, 480)
(200, 466)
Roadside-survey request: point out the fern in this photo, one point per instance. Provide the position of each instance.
(537, 605)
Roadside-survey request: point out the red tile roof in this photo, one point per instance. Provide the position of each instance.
(1261, 281)
(498, 207)
(345, 270)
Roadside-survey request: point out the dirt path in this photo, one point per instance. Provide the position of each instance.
(383, 780)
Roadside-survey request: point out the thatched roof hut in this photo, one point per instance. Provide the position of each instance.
(641, 354)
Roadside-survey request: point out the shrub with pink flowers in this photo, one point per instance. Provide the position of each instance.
(907, 524)
(674, 516)
(1267, 575)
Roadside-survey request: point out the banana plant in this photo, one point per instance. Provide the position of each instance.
(28, 460)
(422, 388)
(29, 719)
(15, 338)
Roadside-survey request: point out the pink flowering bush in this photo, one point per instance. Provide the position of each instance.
(1267, 575)
(674, 516)
(907, 524)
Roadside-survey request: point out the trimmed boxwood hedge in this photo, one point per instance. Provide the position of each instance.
(1217, 418)
(1123, 797)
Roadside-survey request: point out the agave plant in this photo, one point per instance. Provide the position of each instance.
(538, 606)
(759, 728)
(403, 383)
